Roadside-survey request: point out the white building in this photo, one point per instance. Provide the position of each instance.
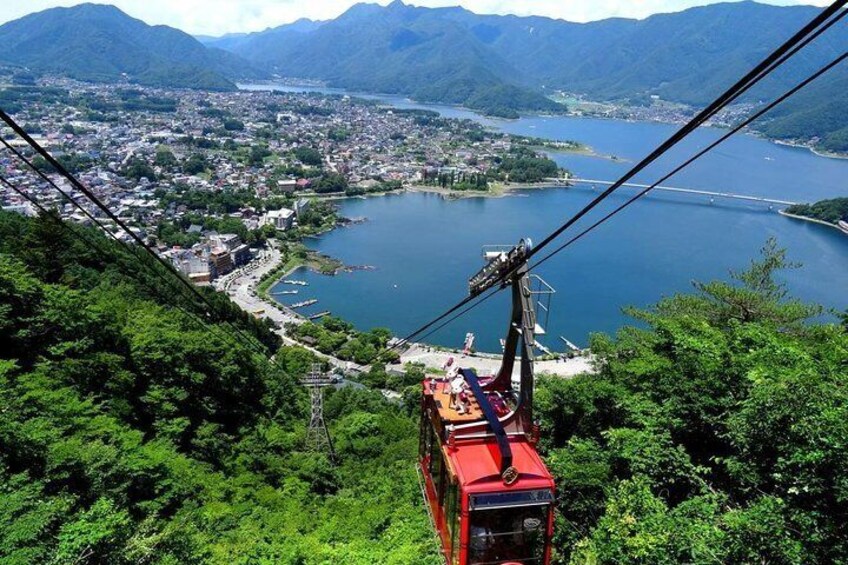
(281, 219)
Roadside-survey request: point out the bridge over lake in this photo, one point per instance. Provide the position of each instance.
(711, 194)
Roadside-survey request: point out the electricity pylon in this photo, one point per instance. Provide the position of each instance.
(317, 435)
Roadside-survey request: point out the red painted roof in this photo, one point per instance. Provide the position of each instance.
(476, 465)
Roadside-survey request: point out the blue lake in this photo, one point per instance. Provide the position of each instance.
(424, 247)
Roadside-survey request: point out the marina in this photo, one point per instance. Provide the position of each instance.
(319, 315)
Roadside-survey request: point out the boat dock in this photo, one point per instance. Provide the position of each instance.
(298, 283)
(304, 304)
(319, 315)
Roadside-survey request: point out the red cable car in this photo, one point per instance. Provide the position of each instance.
(488, 493)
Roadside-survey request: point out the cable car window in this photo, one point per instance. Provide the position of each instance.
(492, 500)
(451, 514)
(436, 468)
(508, 534)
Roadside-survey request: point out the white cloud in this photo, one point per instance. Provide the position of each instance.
(216, 17)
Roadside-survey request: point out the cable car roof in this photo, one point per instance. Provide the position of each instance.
(475, 463)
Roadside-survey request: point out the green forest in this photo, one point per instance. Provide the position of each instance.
(714, 431)
(832, 211)
(133, 434)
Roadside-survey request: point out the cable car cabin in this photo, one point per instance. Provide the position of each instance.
(488, 492)
(483, 514)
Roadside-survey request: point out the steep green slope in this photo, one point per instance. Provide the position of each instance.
(131, 434)
(715, 433)
(101, 43)
(817, 113)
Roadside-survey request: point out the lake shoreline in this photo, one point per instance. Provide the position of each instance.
(378, 96)
(812, 220)
(809, 147)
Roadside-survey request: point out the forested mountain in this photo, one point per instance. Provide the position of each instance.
(453, 55)
(495, 64)
(716, 432)
(130, 433)
(101, 43)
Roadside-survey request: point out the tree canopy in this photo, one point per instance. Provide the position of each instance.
(715, 432)
(131, 433)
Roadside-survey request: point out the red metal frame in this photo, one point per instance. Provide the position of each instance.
(473, 463)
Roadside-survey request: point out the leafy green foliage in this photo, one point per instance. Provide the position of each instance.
(233, 125)
(138, 169)
(309, 156)
(714, 433)
(132, 434)
(164, 158)
(335, 336)
(826, 210)
(525, 165)
(332, 182)
(74, 163)
(195, 164)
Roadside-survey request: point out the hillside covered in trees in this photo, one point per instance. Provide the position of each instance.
(715, 432)
(100, 43)
(832, 211)
(132, 434)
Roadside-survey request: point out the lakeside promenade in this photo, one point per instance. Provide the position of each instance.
(240, 286)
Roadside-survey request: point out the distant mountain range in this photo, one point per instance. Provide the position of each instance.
(101, 43)
(504, 64)
(496, 64)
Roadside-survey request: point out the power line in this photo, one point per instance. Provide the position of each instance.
(459, 314)
(712, 146)
(779, 56)
(152, 267)
(94, 244)
(698, 155)
(763, 69)
(96, 201)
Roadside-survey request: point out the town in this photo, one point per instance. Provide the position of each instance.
(208, 177)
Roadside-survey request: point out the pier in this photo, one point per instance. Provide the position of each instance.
(303, 304)
(319, 315)
(711, 194)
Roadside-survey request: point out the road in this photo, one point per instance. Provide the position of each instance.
(240, 285)
(487, 364)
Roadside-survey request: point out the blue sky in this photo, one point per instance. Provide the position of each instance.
(216, 17)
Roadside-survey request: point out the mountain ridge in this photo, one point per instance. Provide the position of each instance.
(498, 65)
(452, 55)
(99, 42)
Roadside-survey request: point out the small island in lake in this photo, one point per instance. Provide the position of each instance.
(833, 212)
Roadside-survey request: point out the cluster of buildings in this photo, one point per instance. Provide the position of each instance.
(653, 109)
(215, 256)
(141, 159)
